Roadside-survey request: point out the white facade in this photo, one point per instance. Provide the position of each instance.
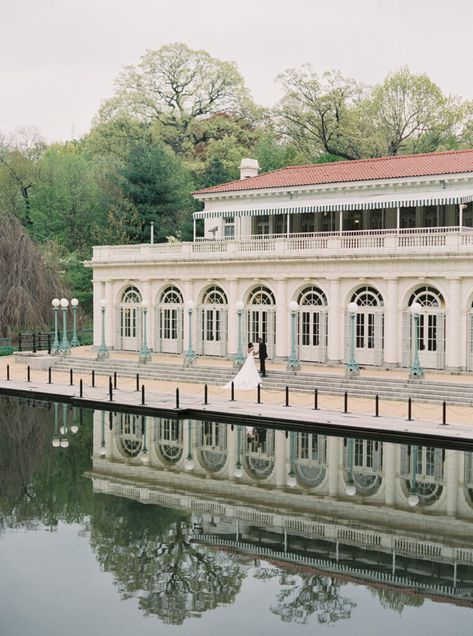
(382, 243)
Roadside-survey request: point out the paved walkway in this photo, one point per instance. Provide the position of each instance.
(427, 418)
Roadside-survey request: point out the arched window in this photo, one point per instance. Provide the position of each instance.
(363, 462)
(171, 296)
(369, 334)
(259, 453)
(129, 434)
(427, 297)
(212, 445)
(431, 327)
(261, 296)
(312, 296)
(131, 295)
(311, 459)
(214, 296)
(422, 470)
(313, 325)
(168, 440)
(367, 297)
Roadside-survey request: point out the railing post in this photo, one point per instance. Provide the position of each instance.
(49, 343)
(71, 377)
(50, 373)
(258, 393)
(34, 342)
(114, 379)
(177, 398)
(81, 388)
(409, 409)
(206, 394)
(143, 394)
(19, 342)
(8, 371)
(376, 406)
(93, 378)
(345, 402)
(28, 373)
(232, 392)
(137, 381)
(444, 413)
(110, 387)
(316, 400)
(287, 396)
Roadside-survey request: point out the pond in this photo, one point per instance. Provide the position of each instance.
(115, 523)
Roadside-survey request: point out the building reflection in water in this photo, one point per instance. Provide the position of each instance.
(383, 513)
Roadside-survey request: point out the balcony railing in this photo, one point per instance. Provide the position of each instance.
(312, 245)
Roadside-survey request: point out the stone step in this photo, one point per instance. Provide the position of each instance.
(387, 388)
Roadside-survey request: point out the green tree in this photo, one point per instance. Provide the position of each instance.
(158, 185)
(174, 87)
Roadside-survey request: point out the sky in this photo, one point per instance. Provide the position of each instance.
(59, 58)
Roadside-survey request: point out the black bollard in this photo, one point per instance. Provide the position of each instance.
(8, 371)
(71, 377)
(110, 388)
(34, 342)
(316, 400)
(232, 392)
(137, 381)
(376, 406)
(444, 413)
(258, 394)
(287, 396)
(50, 373)
(177, 398)
(206, 394)
(142, 394)
(49, 344)
(28, 373)
(345, 402)
(409, 409)
(81, 388)
(114, 379)
(93, 378)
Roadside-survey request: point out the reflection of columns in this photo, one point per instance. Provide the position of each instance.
(335, 338)
(389, 470)
(451, 470)
(231, 452)
(282, 331)
(281, 445)
(453, 353)
(232, 332)
(391, 325)
(334, 469)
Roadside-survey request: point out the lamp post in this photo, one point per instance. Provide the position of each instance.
(145, 353)
(352, 368)
(291, 478)
(350, 487)
(293, 361)
(144, 452)
(65, 347)
(189, 356)
(103, 352)
(189, 461)
(413, 498)
(417, 372)
(239, 358)
(75, 340)
(238, 472)
(56, 346)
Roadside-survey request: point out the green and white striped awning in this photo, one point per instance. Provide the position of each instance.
(337, 204)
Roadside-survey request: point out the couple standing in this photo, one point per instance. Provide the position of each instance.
(248, 376)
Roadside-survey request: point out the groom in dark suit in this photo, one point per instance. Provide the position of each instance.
(262, 354)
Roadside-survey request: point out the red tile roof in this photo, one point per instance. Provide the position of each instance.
(428, 164)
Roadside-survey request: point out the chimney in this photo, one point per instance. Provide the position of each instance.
(249, 168)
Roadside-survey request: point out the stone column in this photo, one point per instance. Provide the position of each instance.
(392, 353)
(232, 331)
(281, 458)
(283, 335)
(99, 293)
(110, 315)
(335, 337)
(453, 354)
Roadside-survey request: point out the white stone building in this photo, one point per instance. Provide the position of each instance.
(384, 233)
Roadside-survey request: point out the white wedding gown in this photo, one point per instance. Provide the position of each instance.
(247, 377)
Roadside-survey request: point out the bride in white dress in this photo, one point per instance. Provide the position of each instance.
(248, 376)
